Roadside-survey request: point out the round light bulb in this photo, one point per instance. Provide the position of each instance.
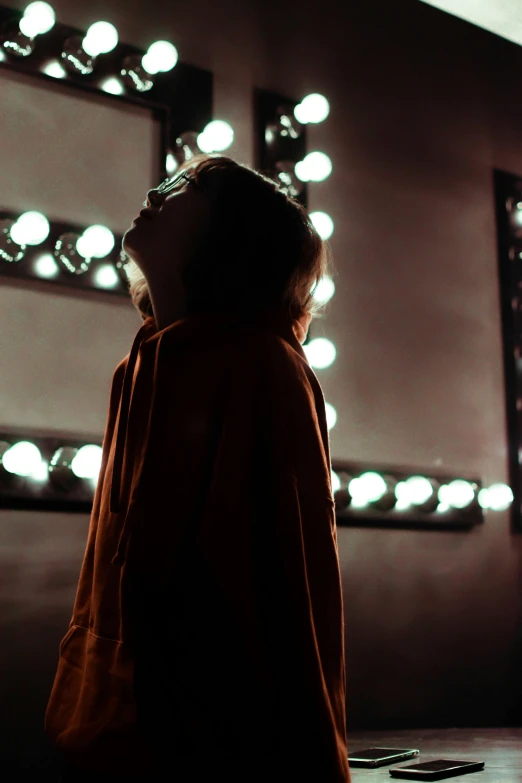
(22, 459)
(112, 86)
(314, 108)
(161, 56)
(101, 38)
(38, 18)
(517, 214)
(317, 166)
(55, 69)
(31, 228)
(336, 481)
(325, 289)
(216, 137)
(323, 224)
(320, 352)
(418, 489)
(171, 164)
(331, 416)
(301, 171)
(459, 493)
(96, 242)
(87, 461)
(497, 497)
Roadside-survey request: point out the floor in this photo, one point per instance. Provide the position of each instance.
(500, 749)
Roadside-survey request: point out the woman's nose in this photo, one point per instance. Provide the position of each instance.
(153, 197)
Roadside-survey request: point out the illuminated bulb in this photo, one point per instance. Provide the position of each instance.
(106, 277)
(314, 108)
(301, 171)
(359, 499)
(517, 215)
(320, 352)
(331, 415)
(23, 459)
(83, 248)
(216, 137)
(458, 493)
(160, 56)
(323, 224)
(402, 493)
(95, 242)
(418, 489)
(336, 481)
(55, 69)
(171, 164)
(45, 266)
(368, 487)
(112, 86)
(87, 461)
(38, 19)
(325, 289)
(497, 497)
(316, 167)
(101, 38)
(372, 485)
(31, 228)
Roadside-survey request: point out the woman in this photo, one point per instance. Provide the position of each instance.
(207, 632)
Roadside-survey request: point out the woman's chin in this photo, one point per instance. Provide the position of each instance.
(127, 241)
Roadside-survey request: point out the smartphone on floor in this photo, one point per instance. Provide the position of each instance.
(377, 757)
(436, 770)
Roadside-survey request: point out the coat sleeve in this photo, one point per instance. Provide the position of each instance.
(240, 638)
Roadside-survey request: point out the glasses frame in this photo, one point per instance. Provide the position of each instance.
(171, 183)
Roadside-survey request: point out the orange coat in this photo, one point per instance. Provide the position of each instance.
(207, 631)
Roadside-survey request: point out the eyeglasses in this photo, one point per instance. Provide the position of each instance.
(170, 184)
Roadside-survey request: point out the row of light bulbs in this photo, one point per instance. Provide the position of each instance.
(97, 241)
(32, 228)
(367, 490)
(101, 38)
(316, 167)
(386, 493)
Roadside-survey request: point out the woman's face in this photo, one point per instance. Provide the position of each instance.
(170, 227)
(163, 240)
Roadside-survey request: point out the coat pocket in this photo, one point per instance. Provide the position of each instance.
(91, 713)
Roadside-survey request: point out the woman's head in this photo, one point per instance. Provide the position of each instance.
(230, 238)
